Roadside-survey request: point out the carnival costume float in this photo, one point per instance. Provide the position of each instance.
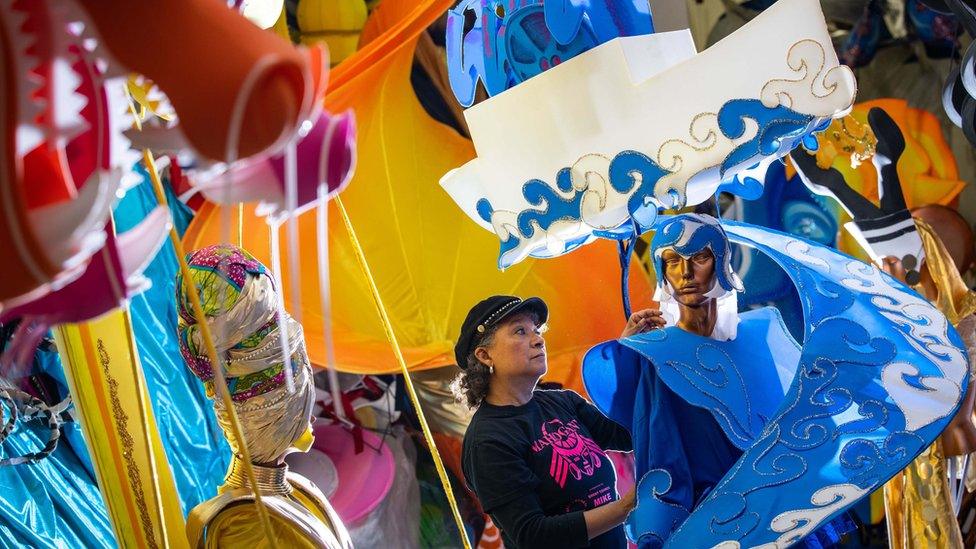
(239, 294)
(660, 394)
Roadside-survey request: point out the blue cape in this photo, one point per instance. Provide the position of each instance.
(708, 399)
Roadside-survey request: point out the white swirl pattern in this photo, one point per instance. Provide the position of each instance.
(927, 331)
(800, 251)
(705, 136)
(795, 525)
(590, 176)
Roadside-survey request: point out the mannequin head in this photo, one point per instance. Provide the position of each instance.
(695, 282)
(238, 298)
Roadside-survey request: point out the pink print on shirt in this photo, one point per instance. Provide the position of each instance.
(572, 453)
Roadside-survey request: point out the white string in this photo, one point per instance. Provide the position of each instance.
(283, 332)
(959, 485)
(953, 481)
(325, 278)
(291, 204)
(294, 278)
(325, 294)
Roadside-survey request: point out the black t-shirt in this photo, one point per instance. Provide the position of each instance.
(537, 467)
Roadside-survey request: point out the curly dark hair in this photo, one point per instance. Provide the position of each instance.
(471, 385)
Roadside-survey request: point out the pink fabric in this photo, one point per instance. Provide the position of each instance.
(364, 479)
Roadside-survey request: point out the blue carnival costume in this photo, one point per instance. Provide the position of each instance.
(745, 438)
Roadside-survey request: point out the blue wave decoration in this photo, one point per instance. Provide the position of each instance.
(554, 206)
(653, 515)
(744, 186)
(629, 171)
(625, 169)
(776, 125)
(780, 130)
(506, 246)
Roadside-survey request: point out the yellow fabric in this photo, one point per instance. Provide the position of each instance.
(335, 22)
(917, 500)
(430, 261)
(877, 506)
(238, 526)
(918, 505)
(398, 352)
(281, 25)
(955, 300)
(110, 394)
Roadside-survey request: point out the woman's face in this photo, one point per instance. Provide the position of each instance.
(690, 278)
(517, 348)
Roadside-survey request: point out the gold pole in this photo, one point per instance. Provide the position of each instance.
(388, 327)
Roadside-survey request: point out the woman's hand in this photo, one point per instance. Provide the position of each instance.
(643, 321)
(608, 516)
(627, 501)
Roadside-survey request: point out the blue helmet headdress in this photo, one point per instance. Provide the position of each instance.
(688, 234)
(505, 42)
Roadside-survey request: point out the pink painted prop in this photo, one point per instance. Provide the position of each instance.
(68, 145)
(113, 275)
(326, 154)
(364, 478)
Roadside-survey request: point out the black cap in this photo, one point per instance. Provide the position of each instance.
(489, 312)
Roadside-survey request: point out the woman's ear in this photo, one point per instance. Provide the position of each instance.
(481, 354)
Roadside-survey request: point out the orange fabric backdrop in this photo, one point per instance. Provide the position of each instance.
(429, 260)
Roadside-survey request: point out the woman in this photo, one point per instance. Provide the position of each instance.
(536, 459)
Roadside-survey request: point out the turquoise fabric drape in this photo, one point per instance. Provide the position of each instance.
(195, 446)
(53, 503)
